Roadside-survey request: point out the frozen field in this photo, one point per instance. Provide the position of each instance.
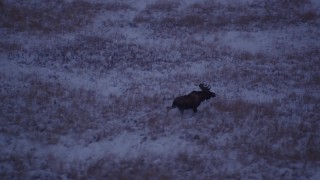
(84, 87)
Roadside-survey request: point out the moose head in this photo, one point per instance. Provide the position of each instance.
(193, 99)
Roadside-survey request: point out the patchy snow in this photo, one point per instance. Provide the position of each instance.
(126, 145)
(90, 102)
(245, 41)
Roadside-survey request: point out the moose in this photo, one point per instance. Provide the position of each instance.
(192, 100)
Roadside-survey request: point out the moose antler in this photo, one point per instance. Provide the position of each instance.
(204, 87)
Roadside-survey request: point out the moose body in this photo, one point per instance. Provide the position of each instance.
(192, 100)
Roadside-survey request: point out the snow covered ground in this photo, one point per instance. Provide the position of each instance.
(85, 85)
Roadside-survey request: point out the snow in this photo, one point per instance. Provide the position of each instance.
(62, 117)
(316, 175)
(251, 42)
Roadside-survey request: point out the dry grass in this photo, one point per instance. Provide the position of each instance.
(95, 54)
(191, 21)
(309, 16)
(241, 109)
(206, 7)
(67, 110)
(71, 111)
(56, 17)
(153, 12)
(10, 47)
(267, 121)
(165, 6)
(141, 18)
(213, 16)
(266, 135)
(116, 6)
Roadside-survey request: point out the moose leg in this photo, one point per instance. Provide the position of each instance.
(181, 112)
(194, 110)
(169, 108)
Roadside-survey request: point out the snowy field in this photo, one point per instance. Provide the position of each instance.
(85, 85)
